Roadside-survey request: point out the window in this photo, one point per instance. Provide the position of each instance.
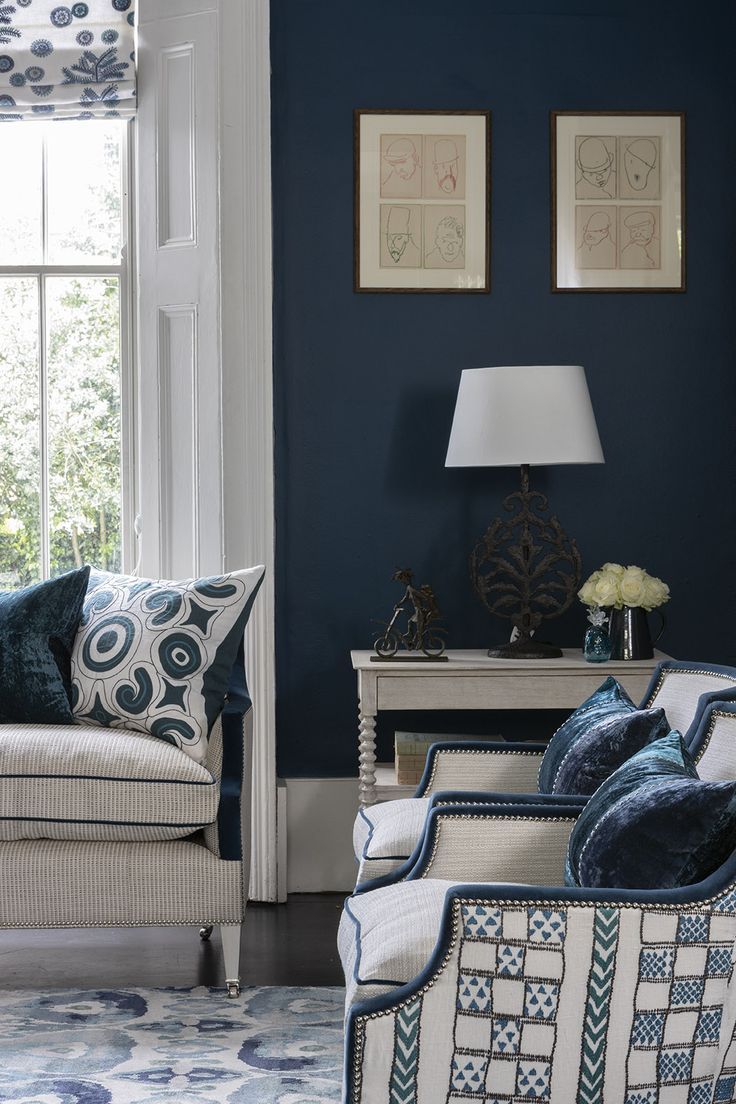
(65, 386)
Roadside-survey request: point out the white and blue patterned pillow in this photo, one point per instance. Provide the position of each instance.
(156, 656)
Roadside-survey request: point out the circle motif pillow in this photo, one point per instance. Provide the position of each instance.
(156, 656)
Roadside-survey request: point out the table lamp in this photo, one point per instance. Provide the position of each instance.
(525, 568)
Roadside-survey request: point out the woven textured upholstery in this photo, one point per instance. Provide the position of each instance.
(386, 936)
(678, 691)
(73, 782)
(79, 883)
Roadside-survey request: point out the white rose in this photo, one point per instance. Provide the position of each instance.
(607, 591)
(613, 569)
(633, 586)
(656, 593)
(586, 594)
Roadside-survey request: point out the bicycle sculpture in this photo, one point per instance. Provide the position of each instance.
(414, 625)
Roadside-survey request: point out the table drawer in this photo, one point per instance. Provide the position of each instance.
(499, 691)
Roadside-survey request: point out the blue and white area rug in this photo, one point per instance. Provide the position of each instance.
(181, 1046)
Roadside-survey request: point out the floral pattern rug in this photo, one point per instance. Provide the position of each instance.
(140, 1046)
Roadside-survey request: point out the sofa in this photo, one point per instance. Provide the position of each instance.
(104, 823)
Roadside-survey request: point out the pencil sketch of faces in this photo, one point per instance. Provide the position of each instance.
(640, 159)
(401, 248)
(401, 166)
(447, 242)
(596, 238)
(642, 245)
(595, 175)
(445, 164)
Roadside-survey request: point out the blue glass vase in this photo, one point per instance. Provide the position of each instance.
(597, 645)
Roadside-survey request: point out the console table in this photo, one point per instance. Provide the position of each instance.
(471, 680)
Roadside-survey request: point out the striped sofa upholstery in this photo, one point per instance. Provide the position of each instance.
(70, 782)
(109, 827)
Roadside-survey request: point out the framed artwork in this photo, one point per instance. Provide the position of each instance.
(422, 201)
(618, 200)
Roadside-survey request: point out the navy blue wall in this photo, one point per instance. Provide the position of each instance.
(365, 384)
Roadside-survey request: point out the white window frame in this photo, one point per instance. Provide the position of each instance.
(124, 273)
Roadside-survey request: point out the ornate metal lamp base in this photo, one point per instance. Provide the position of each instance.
(526, 649)
(526, 569)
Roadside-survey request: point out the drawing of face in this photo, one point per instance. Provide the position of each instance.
(597, 228)
(402, 157)
(641, 232)
(595, 162)
(449, 238)
(639, 159)
(445, 164)
(446, 174)
(397, 243)
(398, 232)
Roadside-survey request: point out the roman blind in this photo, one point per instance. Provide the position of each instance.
(67, 61)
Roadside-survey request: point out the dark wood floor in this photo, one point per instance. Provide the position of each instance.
(291, 944)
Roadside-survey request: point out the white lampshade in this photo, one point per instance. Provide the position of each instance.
(523, 414)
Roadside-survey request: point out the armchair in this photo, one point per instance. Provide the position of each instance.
(465, 986)
(111, 828)
(385, 835)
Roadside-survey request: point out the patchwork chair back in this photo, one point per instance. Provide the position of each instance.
(385, 835)
(105, 827)
(462, 991)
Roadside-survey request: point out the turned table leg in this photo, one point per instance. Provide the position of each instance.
(367, 758)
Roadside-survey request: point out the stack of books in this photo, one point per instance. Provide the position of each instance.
(410, 752)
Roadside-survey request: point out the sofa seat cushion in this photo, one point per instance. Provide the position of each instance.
(72, 782)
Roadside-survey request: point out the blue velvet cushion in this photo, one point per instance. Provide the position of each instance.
(604, 745)
(653, 824)
(38, 625)
(609, 700)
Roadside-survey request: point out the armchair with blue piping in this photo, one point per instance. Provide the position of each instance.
(481, 977)
(385, 835)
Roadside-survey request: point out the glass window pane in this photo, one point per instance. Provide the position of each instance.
(20, 194)
(84, 192)
(83, 362)
(20, 469)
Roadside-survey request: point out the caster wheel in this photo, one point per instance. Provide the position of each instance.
(233, 988)
(205, 932)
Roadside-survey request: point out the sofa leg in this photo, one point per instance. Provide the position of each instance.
(205, 932)
(230, 934)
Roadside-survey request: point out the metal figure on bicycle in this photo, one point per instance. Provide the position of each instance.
(422, 633)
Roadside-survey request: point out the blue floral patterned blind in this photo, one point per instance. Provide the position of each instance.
(67, 61)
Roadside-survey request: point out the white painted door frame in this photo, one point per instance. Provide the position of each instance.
(205, 337)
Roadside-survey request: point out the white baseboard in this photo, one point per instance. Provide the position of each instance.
(319, 834)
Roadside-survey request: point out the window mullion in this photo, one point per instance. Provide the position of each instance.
(44, 429)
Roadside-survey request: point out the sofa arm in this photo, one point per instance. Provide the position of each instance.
(496, 843)
(480, 765)
(230, 759)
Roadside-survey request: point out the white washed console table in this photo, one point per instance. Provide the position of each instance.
(470, 680)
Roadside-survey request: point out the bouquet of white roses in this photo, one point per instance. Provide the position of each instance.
(619, 586)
